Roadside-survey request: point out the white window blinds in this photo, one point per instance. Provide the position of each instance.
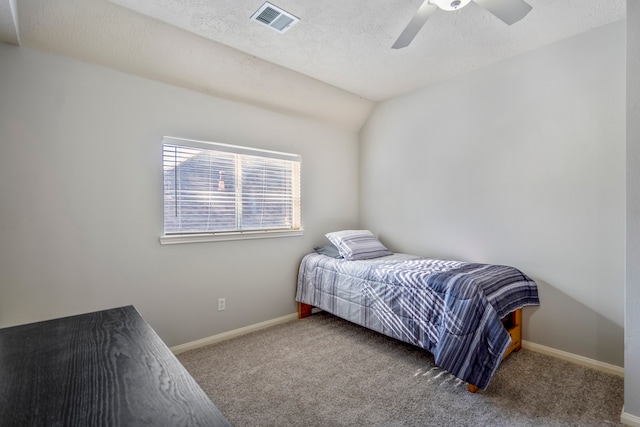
(219, 188)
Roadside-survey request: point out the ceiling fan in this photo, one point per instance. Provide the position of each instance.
(508, 11)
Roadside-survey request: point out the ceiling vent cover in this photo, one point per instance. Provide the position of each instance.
(274, 17)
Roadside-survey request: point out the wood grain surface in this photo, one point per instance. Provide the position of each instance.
(107, 368)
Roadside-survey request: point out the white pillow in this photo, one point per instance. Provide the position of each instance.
(357, 244)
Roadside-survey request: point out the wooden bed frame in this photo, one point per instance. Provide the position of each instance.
(512, 322)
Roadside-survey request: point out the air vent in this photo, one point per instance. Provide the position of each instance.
(274, 17)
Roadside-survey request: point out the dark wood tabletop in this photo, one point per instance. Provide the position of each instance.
(107, 368)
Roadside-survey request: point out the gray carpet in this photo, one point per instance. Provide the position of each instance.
(323, 371)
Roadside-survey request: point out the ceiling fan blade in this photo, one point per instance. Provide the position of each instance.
(508, 11)
(416, 23)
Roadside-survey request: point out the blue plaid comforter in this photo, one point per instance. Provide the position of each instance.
(452, 309)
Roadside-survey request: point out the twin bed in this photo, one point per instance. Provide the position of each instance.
(467, 315)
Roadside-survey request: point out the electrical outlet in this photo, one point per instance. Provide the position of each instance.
(222, 304)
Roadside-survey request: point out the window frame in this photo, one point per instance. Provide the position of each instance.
(212, 236)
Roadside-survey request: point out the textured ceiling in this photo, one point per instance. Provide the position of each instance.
(348, 43)
(333, 65)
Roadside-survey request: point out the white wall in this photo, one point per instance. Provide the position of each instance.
(519, 163)
(632, 297)
(81, 200)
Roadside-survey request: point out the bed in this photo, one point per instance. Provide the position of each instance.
(467, 315)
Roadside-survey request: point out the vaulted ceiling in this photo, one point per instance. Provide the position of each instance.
(334, 64)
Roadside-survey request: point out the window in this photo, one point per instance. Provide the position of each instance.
(217, 191)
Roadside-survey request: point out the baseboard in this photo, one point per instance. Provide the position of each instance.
(570, 357)
(629, 420)
(232, 334)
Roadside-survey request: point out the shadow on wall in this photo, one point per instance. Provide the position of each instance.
(562, 323)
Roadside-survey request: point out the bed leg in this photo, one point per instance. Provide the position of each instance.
(473, 388)
(516, 333)
(517, 320)
(304, 310)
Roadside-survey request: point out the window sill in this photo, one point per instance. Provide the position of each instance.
(219, 237)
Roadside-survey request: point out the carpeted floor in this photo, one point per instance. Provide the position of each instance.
(324, 371)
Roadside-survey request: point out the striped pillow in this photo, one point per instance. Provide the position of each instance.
(357, 244)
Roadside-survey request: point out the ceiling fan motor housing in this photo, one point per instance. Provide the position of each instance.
(450, 5)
